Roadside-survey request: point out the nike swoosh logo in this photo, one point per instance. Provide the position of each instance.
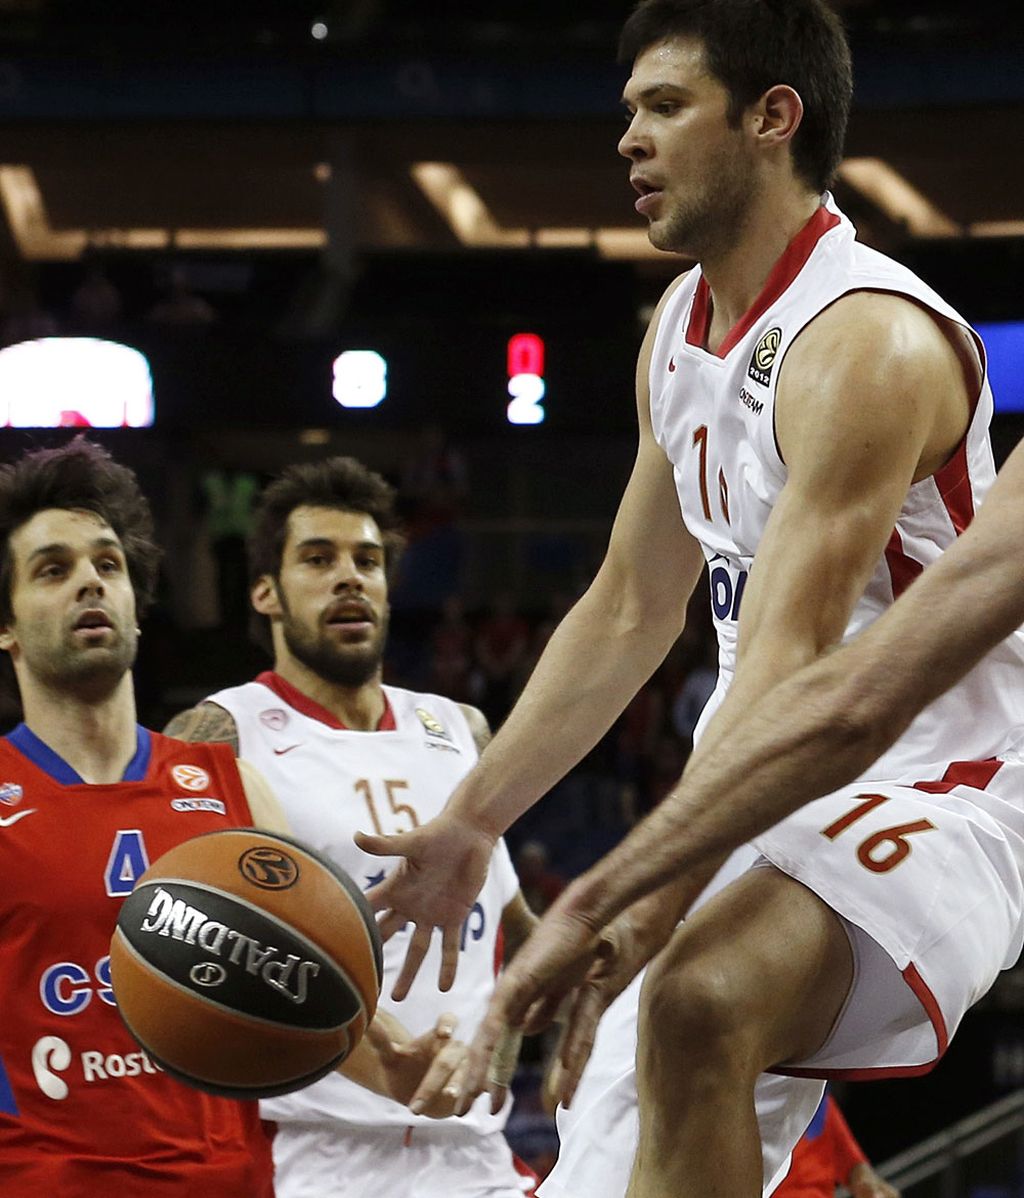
(13, 819)
(281, 752)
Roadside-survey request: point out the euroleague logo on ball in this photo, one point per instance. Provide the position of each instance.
(269, 868)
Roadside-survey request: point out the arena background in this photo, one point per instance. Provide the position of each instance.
(243, 192)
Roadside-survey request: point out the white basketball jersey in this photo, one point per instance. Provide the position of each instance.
(333, 782)
(714, 416)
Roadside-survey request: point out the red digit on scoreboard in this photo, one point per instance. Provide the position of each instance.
(525, 355)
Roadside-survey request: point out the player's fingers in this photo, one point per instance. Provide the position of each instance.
(542, 1014)
(479, 1060)
(578, 1041)
(498, 1095)
(440, 1082)
(450, 940)
(390, 923)
(445, 1026)
(395, 845)
(417, 950)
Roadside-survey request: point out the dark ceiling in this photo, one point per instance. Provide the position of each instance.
(166, 116)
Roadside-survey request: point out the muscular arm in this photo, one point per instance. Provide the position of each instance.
(824, 726)
(776, 744)
(207, 723)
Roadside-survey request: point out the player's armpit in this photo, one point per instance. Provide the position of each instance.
(207, 723)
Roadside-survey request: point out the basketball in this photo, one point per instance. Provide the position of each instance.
(245, 963)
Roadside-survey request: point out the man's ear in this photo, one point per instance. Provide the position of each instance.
(7, 638)
(778, 114)
(264, 596)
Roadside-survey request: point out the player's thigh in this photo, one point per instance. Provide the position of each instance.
(763, 968)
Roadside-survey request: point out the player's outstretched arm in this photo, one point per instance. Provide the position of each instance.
(599, 656)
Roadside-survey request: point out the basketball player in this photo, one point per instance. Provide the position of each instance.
(345, 753)
(88, 799)
(807, 400)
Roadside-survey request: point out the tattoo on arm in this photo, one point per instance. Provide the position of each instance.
(207, 724)
(478, 725)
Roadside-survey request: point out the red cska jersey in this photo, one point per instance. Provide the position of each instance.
(83, 1110)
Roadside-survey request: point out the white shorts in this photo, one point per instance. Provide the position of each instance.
(933, 914)
(335, 1160)
(928, 880)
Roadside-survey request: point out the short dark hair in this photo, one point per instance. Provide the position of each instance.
(340, 482)
(752, 45)
(80, 475)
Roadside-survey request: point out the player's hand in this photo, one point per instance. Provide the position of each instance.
(425, 1072)
(864, 1182)
(444, 867)
(562, 953)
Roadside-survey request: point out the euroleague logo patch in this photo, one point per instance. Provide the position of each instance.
(190, 777)
(268, 868)
(432, 724)
(763, 358)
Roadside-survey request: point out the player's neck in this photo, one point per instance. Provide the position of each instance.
(96, 737)
(357, 707)
(737, 274)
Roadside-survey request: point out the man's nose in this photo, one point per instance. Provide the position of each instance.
(633, 145)
(347, 576)
(90, 582)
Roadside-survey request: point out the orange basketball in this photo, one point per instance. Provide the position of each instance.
(245, 963)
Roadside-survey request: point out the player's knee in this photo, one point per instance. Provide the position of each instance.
(693, 1010)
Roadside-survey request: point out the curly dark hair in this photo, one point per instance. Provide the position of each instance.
(80, 475)
(340, 482)
(752, 45)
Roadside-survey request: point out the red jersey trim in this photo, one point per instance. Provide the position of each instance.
(963, 773)
(902, 569)
(935, 1017)
(954, 483)
(524, 1171)
(785, 270)
(308, 707)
